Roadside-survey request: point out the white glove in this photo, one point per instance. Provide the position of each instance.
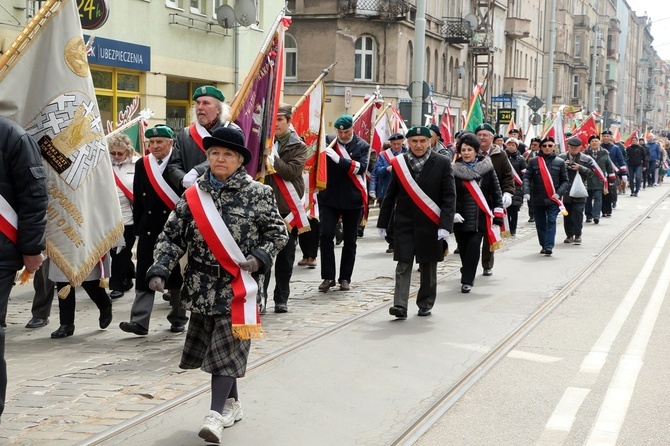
(273, 154)
(507, 200)
(458, 218)
(625, 178)
(157, 284)
(189, 178)
(556, 197)
(332, 154)
(382, 232)
(526, 197)
(442, 234)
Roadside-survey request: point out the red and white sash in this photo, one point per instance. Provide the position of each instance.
(243, 308)
(388, 155)
(549, 184)
(418, 196)
(9, 221)
(198, 132)
(298, 216)
(127, 192)
(492, 231)
(356, 176)
(162, 188)
(517, 178)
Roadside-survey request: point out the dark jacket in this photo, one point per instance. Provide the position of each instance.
(415, 233)
(603, 160)
(484, 175)
(586, 170)
(381, 178)
(635, 155)
(615, 155)
(289, 166)
(533, 184)
(23, 185)
(519, 166)
(502, 169)
(341, 192)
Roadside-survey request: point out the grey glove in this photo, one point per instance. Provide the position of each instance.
(252, 264)
(157, 284)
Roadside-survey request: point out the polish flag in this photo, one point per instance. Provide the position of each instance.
(382, 133)
(587, 129)
(446, 126)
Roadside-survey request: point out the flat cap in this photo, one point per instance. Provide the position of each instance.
(208, 90)
(574, 141)
(344, 122)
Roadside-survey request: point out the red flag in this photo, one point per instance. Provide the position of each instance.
(629, 140)
(587, 129)
(617, 135)
(363, 125)
(382, 133)
(446, 125)
(308, 123)
(397, 123)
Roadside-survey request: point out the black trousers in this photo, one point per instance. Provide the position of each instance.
(309, 241)
(469, 244)
(513, 216)
(390, 230)
(283, 267)
(44, 291)
(67, 306)
(609, 199)
(574, 221)
(123, 269)
(329, 218)
(7, 277)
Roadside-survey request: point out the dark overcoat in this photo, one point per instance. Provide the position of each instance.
(415, 233)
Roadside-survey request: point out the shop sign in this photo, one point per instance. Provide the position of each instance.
(114, 53)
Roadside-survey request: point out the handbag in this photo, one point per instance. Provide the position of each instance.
(578, 190)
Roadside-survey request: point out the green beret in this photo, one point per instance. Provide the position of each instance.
(208, 90)
(162, 131)
(485, 126)
(418, 131)
(344, 122)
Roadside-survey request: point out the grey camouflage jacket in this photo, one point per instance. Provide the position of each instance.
(250, 212)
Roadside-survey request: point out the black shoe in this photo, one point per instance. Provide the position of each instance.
(63, 331)
(543, 251)
(424, 311)
(37, 322)
(133, 327)
(326, 285)
(596, 221)
(115, 294)
(281, 308)
(128, 286)
(177, 328)
(398, 312)
(488, 272)
(465, 288)
(344, 285)
(548, 252)
(105, 317)
(360, 232)
(589, 220)
(531, 220)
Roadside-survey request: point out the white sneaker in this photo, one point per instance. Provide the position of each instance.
(212, 427)
(232, 412)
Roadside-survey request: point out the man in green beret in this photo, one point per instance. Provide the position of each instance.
(154, 198)
(345, 196)
(209, 112)
(503, 170)
(422, 199)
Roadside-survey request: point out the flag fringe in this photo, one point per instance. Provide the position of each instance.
(497, 245)
(248, 331)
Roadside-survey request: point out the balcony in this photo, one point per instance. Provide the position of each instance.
(613, 54)
(516, 84)
(374, 9)
(482, 42)
(516, 28)
(612, 85)
(456, 30)
(582, 21)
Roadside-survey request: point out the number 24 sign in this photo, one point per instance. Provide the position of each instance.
(93, 13)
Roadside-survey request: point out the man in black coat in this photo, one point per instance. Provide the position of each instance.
(23, 193)
(345, 196)
(418, 230)
(155, 197)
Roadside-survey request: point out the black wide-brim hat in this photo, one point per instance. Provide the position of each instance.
(230, 138)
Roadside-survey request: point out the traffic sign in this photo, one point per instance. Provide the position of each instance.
(535, 104)
(501, 98)
(505, 115)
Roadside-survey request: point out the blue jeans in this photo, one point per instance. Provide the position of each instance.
(635, 176)
(545, 223)
(594, 204)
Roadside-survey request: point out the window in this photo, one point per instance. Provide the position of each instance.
(426, 69)
(575, 86)
(216, 4)
(364, 61)
(174, 4)
(115, 90)
(410, 63)
(197, 7)
(578, 46)
(291, 55)
(178, 102)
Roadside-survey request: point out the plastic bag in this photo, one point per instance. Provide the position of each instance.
(578, 190)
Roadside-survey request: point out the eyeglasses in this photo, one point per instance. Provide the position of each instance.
(117, 153)
(547, 145)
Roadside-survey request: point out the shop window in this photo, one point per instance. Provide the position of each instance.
(115, 90)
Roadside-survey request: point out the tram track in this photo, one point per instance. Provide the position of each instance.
(445, 401)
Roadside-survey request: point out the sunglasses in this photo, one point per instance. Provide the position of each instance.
(117, 153)
(547, 145)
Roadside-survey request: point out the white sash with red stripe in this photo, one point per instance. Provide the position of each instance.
(357, 177)
(122, 187)
(243, 308)
(298, 216)
(418, 196)
(492, 231)
(9, 221)
(517, 178)
(388, 155)
(549, 184)
(198, 132)
(162, 188)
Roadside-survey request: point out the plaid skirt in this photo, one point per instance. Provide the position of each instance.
(211, 346)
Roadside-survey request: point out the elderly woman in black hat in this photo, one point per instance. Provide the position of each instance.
(230, 227)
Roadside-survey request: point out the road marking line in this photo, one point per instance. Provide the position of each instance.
(518, 354)
(470, 347)
(566, 411)
(620, 391)
(595, 360)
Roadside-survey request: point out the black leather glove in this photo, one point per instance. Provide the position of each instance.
(498, 221)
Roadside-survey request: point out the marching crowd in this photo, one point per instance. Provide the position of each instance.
(207, 236)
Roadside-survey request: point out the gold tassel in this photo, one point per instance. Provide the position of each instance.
(64, 291)
(497, 245)
(304, 229)
(24, 276)
(506, 234)
(565, 213)
(104, 283)
(248, 331)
